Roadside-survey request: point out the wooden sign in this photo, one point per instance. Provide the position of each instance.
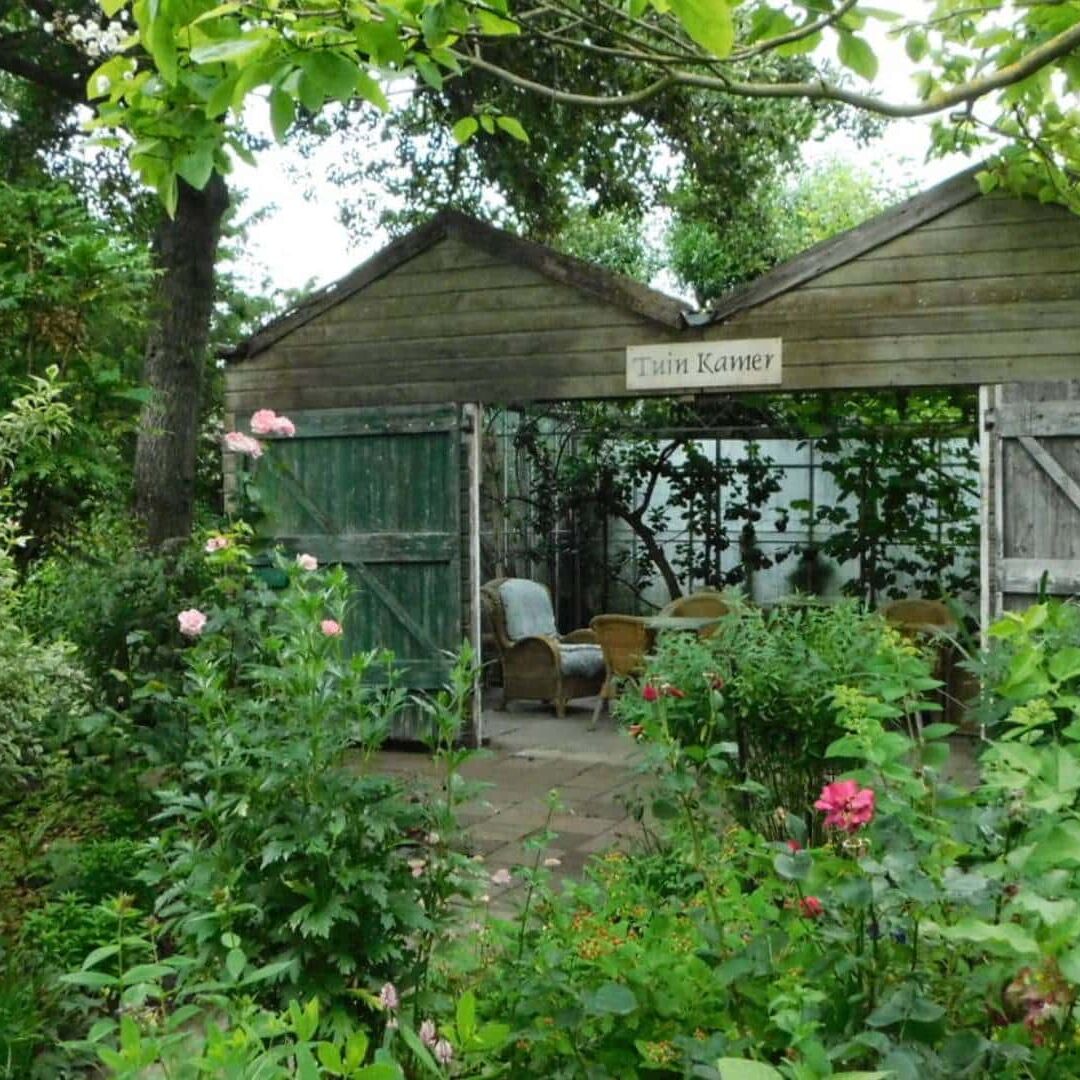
(704, 365)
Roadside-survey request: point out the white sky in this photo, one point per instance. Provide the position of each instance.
(301, 239)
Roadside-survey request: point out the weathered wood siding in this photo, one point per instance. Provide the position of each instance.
(987, 292)
(452, 324)
(1031, 510)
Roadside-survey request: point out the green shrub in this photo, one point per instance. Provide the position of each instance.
(99, 869)
(274, 830)
(756, 698)
(43, 690)
(931, 933)
(117, 602)
(62, 932)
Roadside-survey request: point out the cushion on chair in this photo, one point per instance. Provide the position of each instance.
(527, 607)
(581, 661)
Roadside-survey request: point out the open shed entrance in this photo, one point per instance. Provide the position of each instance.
(951, 288)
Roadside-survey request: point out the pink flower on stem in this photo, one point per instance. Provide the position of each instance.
(649, 692)
(794, 845)
(217, 543)
(847, 806)
(501, 877)
(811, 907)
(239, 443)
(331, 628)
(267, 422)
(428, 1035)
(416, 866)
(191, 622)
(388, 996)
(307, 562)
(444, 1052)
(262, 423)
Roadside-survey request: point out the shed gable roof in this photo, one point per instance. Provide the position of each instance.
(610, 287)
(845, 247)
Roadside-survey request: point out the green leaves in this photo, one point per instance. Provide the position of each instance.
(468, 126)
(612, 999)
(494, 25)
(708, 22)
(855, 53)
(282, 113)
(465, 129)
(1005, 938)
(742, 1069)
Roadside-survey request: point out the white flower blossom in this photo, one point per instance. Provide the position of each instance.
(102, 84)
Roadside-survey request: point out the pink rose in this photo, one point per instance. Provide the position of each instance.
(501, 877)
(217, 543)
(330, 628)
(846, 806)
(794, 845)
(811, 907)
(262, 423)
(239, 443)
(191, 622)
(649, 692)
(307, 562)
(284, 426)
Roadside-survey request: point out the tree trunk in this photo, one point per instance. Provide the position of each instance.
(655, 551)
(185, 249)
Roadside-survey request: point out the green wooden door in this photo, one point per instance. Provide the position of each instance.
(378, 491)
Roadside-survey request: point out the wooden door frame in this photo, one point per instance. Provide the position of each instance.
(473, 415)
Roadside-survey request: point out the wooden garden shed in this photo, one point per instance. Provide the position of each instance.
(385, 373)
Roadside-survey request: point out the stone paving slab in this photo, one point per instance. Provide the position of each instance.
(529, 753)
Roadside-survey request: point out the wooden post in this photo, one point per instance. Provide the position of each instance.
(475, 415)
(986, 513)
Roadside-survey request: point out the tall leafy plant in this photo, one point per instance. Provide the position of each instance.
(279, 838)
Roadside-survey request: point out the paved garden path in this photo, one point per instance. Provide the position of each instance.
(529, 753)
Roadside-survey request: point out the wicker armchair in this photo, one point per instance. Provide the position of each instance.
(537, 662)
(624, 640)
(707, 603)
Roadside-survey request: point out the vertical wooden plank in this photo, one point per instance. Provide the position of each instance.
(997, 599)
(474, 413)
(987, 565)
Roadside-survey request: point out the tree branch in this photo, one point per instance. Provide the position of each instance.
(821, 90)
(13, 61)
(800, 33)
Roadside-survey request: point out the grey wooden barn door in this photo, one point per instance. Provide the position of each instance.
(379, 491)
(1031, 494)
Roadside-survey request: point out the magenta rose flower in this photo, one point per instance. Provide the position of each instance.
(847, 806)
